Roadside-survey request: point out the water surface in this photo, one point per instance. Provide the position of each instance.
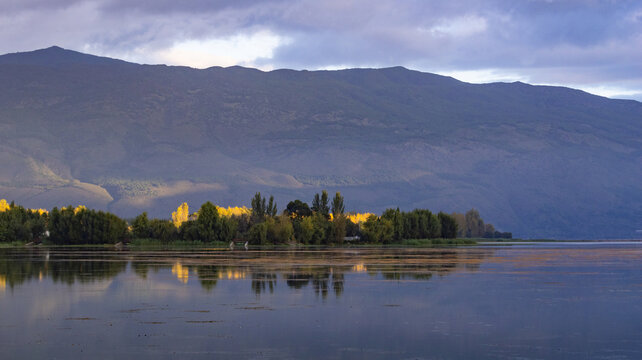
(531, 301)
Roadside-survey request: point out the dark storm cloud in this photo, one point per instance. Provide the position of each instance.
(516, 33)
(572, 42)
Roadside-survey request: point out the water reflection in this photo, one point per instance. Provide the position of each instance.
(232, 274)
(262, 282)
(208, 276)
(324, 271)
(544, 301)
(321, 278)
(181, 272)
(19, 266)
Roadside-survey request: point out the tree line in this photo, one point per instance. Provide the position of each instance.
(324, 222)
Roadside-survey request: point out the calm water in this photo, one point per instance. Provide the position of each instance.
(539, 301)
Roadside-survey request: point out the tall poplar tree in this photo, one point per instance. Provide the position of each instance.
(337, 205)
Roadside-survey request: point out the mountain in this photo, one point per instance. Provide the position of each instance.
(540, 161)
(57, 56)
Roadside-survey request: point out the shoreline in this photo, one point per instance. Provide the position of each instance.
(148, 244)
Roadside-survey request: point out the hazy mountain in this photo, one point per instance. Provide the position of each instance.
(536, 160)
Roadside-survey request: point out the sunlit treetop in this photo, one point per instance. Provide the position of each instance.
(358, 217)
(233, 211)
(80, 208)
(4, 206)
(180, 215)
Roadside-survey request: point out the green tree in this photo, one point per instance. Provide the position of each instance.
(279, 230)
(243, 224)
(325, 209)
(339, 225)
(322, 229)
(352, 229)
(337, 205)
(18, 224)
(227, 228)
(67, 226)
(474, 224)
(164, 230)
(320, 204)
(434, 227)
(258, 233)
(189, 231)
(489, 231)
(259, 209)
(396, 218)
(208, 222)
(460, 219)
(316, 203)
(298, 209)
(271, 208)
(378, 230)
(140, 226)
(448, 226)
(304, 230)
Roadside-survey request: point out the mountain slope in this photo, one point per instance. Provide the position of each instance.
(57, 56)
(540, 161)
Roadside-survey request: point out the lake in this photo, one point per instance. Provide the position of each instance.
(528, 301)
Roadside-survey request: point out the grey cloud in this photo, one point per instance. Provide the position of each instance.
(164, 7)
(17, 6)
(568, 41)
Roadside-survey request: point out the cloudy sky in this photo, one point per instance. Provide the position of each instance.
(595, 45)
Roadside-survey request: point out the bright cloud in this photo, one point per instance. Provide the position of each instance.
(235, 50)
(612, 92)
(484, 76)
(460, 27)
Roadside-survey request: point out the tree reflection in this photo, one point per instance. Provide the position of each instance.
(337, 283)
(297, 280)
(69, 272)
(262, 281)
(208, 276)
(325, 271)
(320, 282)
(320, 278)
(41, 263)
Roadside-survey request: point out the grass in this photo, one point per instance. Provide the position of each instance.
(437, 242)
(155, 244)
(50, 244)
(515, 240)
(12, 244)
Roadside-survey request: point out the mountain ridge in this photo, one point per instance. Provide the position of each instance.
(56, 56)
(535, 160)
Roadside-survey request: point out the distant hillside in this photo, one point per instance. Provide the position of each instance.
(536, 160)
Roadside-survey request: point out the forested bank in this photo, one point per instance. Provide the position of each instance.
(324, 222)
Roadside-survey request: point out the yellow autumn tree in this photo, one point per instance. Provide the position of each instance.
(358, 217)
(354, 217)
(4, 206)
(79, 208)
(181, 215)
(233, 211)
